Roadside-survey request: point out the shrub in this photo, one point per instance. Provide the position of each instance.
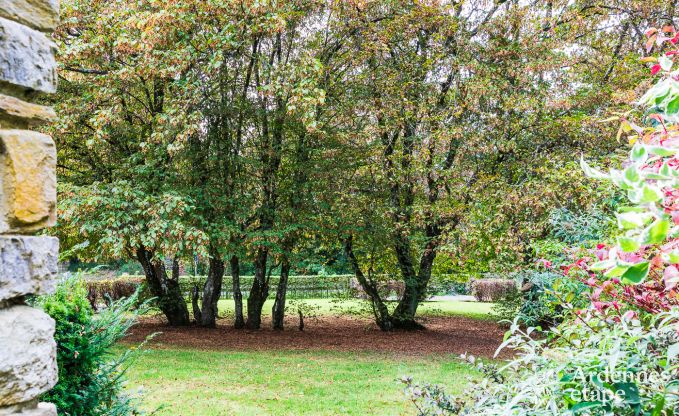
(91, 375)
(580, 227)
(539, 302)
(111, 290)
(299, 286)
(447, 284)
(593, 368)
(492, 290)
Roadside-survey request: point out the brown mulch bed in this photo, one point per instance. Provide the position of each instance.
(444, 335)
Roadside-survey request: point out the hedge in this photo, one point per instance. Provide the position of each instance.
(105, 291)
(492, 290)
(299, 287)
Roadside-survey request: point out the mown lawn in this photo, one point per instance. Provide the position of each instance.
(209, 383)
(181, 381)
(324, 307)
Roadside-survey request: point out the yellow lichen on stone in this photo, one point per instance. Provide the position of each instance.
(16, 113)
(39, 14)
(27, 167)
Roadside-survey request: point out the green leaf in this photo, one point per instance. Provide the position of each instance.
(649, 194)
(673, 105)
(656, 176)
(602, 265)
(636, 274)
(631, 220)
(618, 270)
(665, 170)
(638, 153)
(657, 93)
(619, 180)
(661, 151)
(630, 390)
(590, 171)
(665, 173)
(659, 405)
(628, 244)
(674, 257)
(584, 406)
(656, 233)
(632, 175)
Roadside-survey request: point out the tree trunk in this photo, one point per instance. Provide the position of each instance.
(259, 291)
(301, 320)
(167, 291)
(239, 322)
(195, 295)
(404, 314)
(278, 310)
(212, 291)
(416, 285)
(380, 311)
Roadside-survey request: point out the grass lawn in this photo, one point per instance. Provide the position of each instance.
(478, 310)
(183, 381)
(209, 383)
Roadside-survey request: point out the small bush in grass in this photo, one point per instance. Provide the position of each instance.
(91, 376)
(492, 290)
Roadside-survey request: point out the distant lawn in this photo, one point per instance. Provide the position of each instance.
(211, 383)
(324, 307)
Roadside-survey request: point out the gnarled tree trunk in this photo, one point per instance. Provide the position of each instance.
(259, 291)
(403, 317)
(380, 310)
(239, 322)
(212, 291)
(278, 310)
(167, 291)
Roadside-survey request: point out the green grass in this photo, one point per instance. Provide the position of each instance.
(210, 383)
(324, 307)
(244, 383)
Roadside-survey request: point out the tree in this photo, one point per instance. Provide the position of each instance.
(284, 97)
(457, 111)
(236, 130)
(118, 127)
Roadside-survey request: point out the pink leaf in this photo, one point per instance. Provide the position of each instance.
(670, 277)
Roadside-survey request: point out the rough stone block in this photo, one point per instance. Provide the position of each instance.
(29, 409)
(27, 181)
(38, 14)
(28, 364)
(27, 58)
(15, 113)
(28, 265)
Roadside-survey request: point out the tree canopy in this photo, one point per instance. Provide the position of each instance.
(408, 137)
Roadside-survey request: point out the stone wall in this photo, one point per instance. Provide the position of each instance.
(28, 263)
